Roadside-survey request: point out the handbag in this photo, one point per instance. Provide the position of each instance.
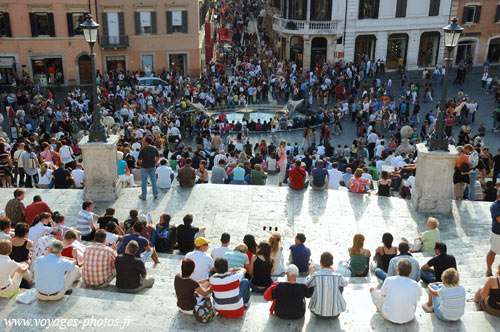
(268, 296)
(204, 311)
(343, 269)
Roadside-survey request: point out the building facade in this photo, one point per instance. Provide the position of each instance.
(43, 39)
(151, 35)
(309, 31)
(481, 36)
(330, 30)
(397, 29)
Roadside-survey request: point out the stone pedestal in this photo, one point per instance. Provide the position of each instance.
(434, 179)
(101, 169)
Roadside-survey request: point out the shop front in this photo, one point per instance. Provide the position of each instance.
(116, 63)
(7, 70)
(397, 47)
(47, 70)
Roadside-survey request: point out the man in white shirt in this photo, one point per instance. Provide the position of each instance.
(79, 176)
(335, 176)
(54, 275)
(397, 299)
(164, 174)
(202, 262)
(219, 252)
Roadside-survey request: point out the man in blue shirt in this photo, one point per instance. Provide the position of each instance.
(144, 251)
(54, 275)
(320, 176)
(300, 254)
(495, 234)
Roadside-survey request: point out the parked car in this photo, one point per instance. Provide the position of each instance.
(149, 83)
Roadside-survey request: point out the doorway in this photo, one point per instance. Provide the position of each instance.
(85, 69)
(318, 52)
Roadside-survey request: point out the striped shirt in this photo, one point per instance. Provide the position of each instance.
(452, 302)
(327, 300)
(82, 223)
(227, 297)
(99, 264)
(236, 259)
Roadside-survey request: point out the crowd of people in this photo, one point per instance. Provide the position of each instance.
(37, 250)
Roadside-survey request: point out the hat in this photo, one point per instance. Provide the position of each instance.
(200, 242)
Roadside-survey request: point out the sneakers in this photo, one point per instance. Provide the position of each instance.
(143, 198)
(156, 196)
(247, 304)
(68, 292)
(427, 308)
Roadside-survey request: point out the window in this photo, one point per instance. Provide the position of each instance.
(401, 8)
(5, 25)
(497, 14)
(471, 14)
(297, 9)
(368, 9)
(145, 23)
(74, 21)
(42, 24)
(434, 7)
(429, 49)
(321, 10)
(177, 21)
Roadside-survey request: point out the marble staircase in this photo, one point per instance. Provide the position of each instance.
(329, 219)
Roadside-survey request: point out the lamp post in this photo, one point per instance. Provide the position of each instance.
(438, 141)
(90, 31)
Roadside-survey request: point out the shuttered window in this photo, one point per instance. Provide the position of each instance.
(145, 22)
(471, 14)
(5, 30)
(177, 21)
(42, 24)
(74, 21)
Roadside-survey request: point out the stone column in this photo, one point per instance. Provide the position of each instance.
(434, 179)
(306, 57)
(101, 169)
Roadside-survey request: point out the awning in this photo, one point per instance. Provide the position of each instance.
(6, 62)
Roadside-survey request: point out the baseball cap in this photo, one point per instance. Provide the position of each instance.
(201, 241)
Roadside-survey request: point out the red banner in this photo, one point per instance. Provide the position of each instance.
(224, 34)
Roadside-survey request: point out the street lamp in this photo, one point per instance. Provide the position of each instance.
(438, 140)
(90, 31)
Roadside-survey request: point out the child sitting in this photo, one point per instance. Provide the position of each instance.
(430, 237)
(427, 240)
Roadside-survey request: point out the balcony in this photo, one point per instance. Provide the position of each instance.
(305, 27)
(113, 41)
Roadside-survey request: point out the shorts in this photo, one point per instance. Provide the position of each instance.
(495, 243)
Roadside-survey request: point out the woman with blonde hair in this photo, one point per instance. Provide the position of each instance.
(276, 254)
(45, 175)
(488, 297)
(446, 298)
(360, 257)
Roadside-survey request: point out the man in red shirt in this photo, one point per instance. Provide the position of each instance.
(297, 177)
(35, 208)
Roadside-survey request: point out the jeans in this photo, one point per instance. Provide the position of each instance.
(436, 302)
(427, 276)
(151, 172)
(472, 182)
(255, 289)
(245, 290)
(381, 274)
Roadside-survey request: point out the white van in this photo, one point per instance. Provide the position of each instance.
(149, 83)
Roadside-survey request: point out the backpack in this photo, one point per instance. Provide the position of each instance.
(32, 163)
(204, 311)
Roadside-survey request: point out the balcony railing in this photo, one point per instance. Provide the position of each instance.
(299, 26)
(114, 41)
